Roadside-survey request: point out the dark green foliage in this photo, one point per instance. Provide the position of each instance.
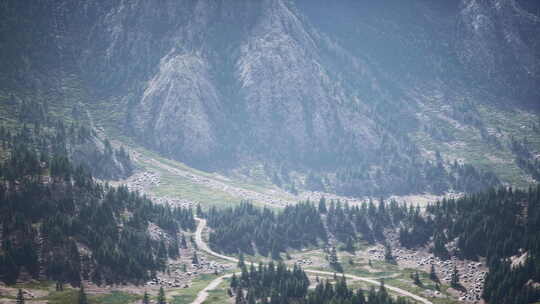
(48, 205)
(161, 296)
(279, 285)
(433, 275)
(235, 229)
(398, 168)
(241, 262)
(75, 142)
(388, 255)
(416, 278)
(339, 293)
(495, 224)
(322, 205)
(524, 157)
(270, 280)
(333, 260)
(82, 296)
(20, 297)
(146, 298)
(454, 281)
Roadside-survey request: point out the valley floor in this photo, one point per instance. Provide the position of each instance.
(167, 181)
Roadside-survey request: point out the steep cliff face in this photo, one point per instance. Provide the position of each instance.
(307, 85)
(294, 102)
(497, 41)
(225, 79)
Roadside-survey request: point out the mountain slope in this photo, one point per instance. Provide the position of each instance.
(357, 98)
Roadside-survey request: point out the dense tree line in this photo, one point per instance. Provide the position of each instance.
(275, 283)
(399, 173)
(241, 228)
(496, 224)
(248, 229)
(394, 164)
(281, 285)
(339, 293)
(524, 158)
(57, 222)
(368, 221)
(80, 144)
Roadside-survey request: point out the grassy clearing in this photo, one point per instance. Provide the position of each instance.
(471, 147)
(405, 282)
(219, 295)
(187, 295)
(115, 297)
(67, 296)
(177, 186)
(174, 185)
(70, 296)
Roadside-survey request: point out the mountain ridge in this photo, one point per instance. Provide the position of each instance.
(315, 88)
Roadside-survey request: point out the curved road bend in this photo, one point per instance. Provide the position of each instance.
(203, 294)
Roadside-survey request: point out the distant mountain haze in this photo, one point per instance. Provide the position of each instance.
(336, 90)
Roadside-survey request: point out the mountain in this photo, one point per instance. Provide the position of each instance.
(356, 97)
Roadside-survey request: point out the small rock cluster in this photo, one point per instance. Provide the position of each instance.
(306, 261)
(176, 277)
(156, 233)
(142, 180)
(173, 202)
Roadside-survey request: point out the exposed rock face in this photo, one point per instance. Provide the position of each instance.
(292, 103)
(213, 81)
(496, 43)
(312, 84)
(180, 108)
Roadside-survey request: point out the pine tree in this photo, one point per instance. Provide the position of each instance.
(234, 281)
(161, 296)
(388, 255)
(193, 243)
(241, 262)
(82, 296)
(199, 211)
(239, 297)
(251, 297)
(20, 297)
(454, 281)
(333, 260)
(146, 298)
(416, 278)
(433, 275)
(183, 242)
(275, 253)
(322, 205)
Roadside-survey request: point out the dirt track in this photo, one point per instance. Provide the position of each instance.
(204, 293)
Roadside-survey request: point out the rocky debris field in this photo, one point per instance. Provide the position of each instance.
(27, 293)
(141, 181)
(471, 274)
(218, 184)
(175, 276)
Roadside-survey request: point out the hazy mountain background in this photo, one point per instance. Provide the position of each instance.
(354, 97)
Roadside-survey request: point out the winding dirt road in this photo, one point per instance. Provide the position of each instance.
(203, 294)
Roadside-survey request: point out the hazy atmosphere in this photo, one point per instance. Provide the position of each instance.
(270, 151)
